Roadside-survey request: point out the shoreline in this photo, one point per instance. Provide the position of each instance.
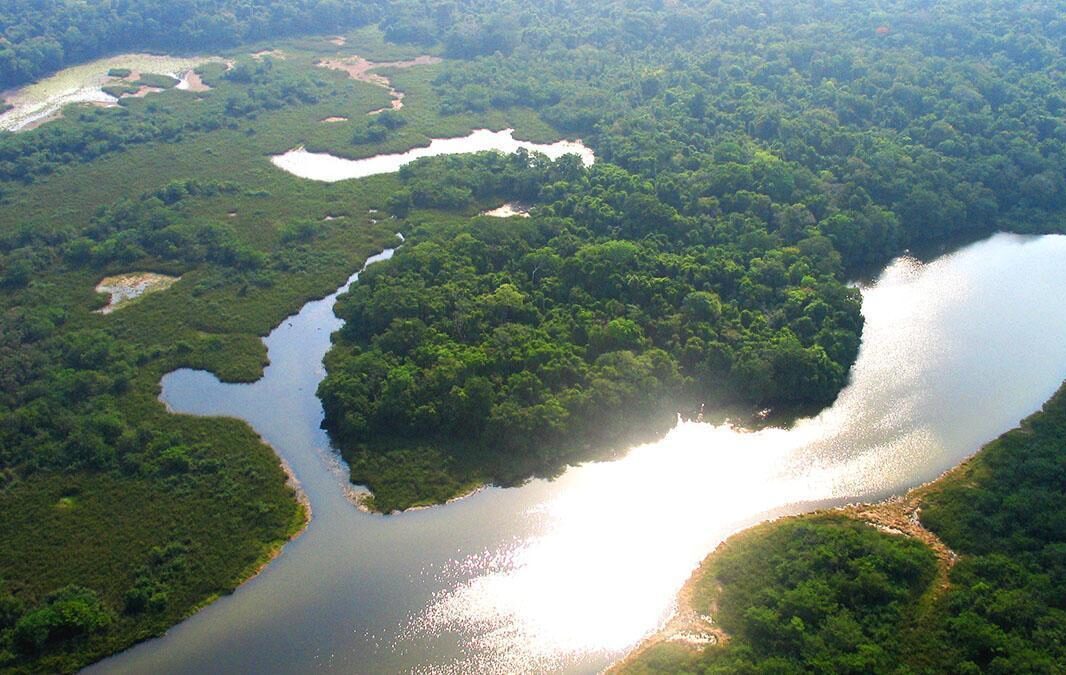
(897, 515)
(358, 498)
(303, 504)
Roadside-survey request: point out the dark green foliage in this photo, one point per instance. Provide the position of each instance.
(939, 123)
(158, 81)
(1005, 513)
(39, 38)
(607, 312)
(749, 153)
(99, 486)
(120, 90)
(69, 613)
(825, 594)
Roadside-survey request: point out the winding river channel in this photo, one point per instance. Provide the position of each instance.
(568, 574)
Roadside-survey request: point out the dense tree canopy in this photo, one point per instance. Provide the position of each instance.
(605, 313)
(752, 155)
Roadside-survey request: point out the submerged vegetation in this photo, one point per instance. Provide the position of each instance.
(828, 593)
(750, 156)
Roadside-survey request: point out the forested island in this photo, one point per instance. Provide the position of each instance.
(752, 159)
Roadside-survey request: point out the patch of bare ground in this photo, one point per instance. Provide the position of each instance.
(339, 40)
(271, 53)
(333, 119)
(191, 81)
(360, 69)
(125, 288)
(508, 210)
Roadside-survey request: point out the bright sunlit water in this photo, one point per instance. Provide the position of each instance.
(568, 574)
(328, 168)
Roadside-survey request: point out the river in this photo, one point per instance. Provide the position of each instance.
(566, 575)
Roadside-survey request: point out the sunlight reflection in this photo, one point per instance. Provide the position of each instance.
(618, 539)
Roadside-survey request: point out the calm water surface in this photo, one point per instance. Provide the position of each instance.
(566, 575)
(328, 168)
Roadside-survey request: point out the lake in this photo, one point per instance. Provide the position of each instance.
(330, 169)
(566, 575)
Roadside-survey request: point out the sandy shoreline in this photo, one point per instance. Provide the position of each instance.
(358, 496)
(305, 507)
(898, 516)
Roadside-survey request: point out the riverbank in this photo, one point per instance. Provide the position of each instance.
(694, 633)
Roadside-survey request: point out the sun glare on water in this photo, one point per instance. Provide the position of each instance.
(615, 545)
(614, 541)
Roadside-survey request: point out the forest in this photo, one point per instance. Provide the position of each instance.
(525, 342)
(785, 150)
(752, 158)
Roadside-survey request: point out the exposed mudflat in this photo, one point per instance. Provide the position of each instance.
(191, 81)
(360, 69)
(508, 210)
(126, 288)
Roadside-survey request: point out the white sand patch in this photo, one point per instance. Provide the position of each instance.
(125, 288)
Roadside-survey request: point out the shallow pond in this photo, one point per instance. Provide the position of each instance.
(568, 574)
(329, 168)
(36, 103)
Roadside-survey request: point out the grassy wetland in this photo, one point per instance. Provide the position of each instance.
(156, 514)
(751, 158)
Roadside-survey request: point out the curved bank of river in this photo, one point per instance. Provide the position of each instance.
(568, 574)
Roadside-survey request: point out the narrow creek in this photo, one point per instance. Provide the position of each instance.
(566, 575)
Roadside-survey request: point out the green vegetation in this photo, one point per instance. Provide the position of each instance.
(116, 518)
(751, 154)
(826, 593)
(512, 346)
(119, 72)
(749, 161)
(39, 38)
(158, 81)
(120, 90)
